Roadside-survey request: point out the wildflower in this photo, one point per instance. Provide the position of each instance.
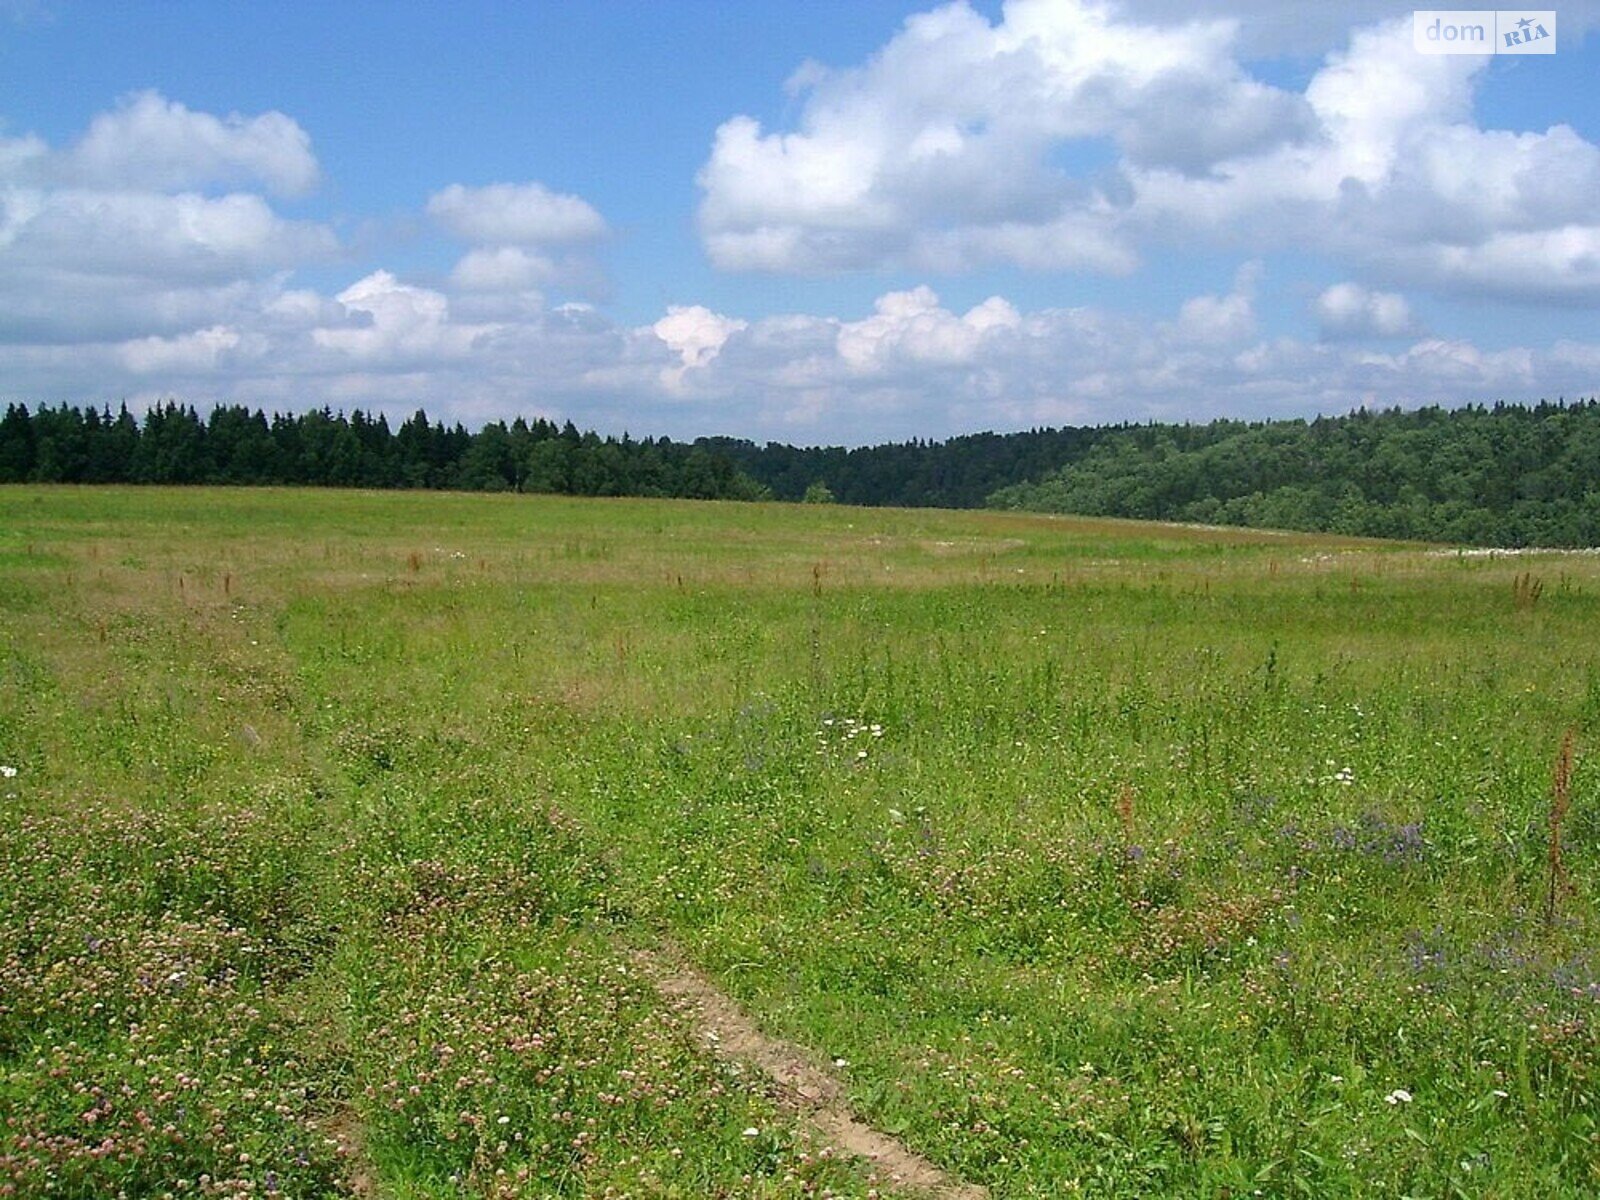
(752, 1131)
(7, 772)
(1398, 1096)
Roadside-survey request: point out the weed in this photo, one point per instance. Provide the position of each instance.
(1557, 884)
(1525, 591)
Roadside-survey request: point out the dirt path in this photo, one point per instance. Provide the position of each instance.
(815, 1094)
(344, 1128)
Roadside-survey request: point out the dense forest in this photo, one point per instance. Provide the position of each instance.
(960, 473)
(237, 446)
(1502, 476)
(1507, 475)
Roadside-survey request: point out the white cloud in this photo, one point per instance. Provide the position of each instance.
(400, 324)
(938, 152)
(909, 366)
(696, 335)
(1222, 319)
(960, 144)
(21, 158)
(153, 143)
(151, 234)
(201, 351)
(522, 214)
(1400, 180)
(1070, 135)
(1349, 310)
(911, 328)
(112, 239)
(79, 266)
(912, 367)
(502, 269)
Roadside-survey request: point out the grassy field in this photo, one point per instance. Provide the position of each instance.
(1097, 858)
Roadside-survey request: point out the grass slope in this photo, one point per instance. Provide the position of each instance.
(1106, 858)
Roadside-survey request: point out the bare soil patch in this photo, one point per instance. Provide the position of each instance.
(802, 1085)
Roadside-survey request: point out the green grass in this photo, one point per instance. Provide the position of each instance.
(1113, 859)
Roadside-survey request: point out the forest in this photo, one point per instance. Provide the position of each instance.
(1501, 475)
(1506, 475)
(175, 445)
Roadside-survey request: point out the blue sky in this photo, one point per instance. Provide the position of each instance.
(821, 222)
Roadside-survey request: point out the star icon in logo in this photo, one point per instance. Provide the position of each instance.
(1524, 23)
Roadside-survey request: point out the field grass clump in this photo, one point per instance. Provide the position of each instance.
(144, 1048)
(1098, 858)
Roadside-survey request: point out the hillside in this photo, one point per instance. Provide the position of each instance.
(1503, 476)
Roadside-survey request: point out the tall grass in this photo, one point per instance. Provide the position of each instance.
(1560, 807)
(1104, 858)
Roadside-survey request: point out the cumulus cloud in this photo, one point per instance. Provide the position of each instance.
(1401, 180)
(912, 328)
(953, 147)
(397, 323)
(151, 235)
(1222, 319)
(199, 352)
(519, 214)
(150, 142)
(912, 366)
(525, 238)
(1347, 310)
(115, 235)
(1060, 138)
(908, 366)
(502, 269)
(146, 257)
(939, 151)
(696, 335)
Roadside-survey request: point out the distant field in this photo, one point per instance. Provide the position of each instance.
(1095, 857)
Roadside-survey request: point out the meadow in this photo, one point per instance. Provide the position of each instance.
(1090, 857)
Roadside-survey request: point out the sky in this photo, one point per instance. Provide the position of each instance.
(829, 222)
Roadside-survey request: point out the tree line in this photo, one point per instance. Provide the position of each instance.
(1507, 475)
(173, 444)
(959, 473)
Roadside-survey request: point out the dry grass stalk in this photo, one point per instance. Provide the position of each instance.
(1560, 805)
(1125, 813)
(1526, 590)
